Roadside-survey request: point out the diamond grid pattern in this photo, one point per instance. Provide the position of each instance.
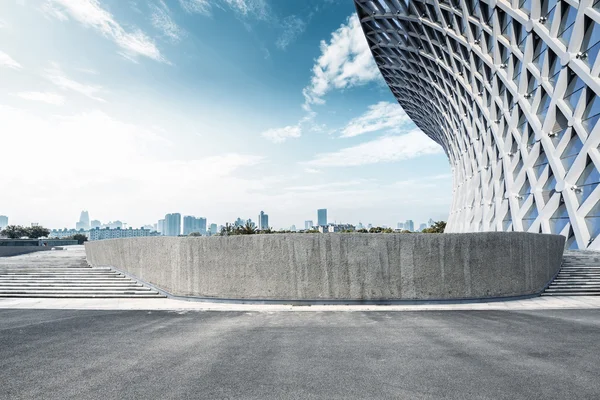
(510, 90)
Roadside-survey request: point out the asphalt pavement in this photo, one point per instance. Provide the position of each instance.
(83, 354)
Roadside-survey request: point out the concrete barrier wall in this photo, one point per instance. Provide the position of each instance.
(339, 266)
(9, 251)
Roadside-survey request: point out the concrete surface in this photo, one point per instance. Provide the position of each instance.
(11, 251)
(245, 355)
(339, 266)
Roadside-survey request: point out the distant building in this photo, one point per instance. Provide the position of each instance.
(360, 226)
(409, 225)
(430, 223)
(322, 217)
(293, 228)
(213, 229)
(263, 221)
(107, 233)
(369, 226)
(308, 225)
(193, 224)
(84, 221)
(64, 233)
(400, 225)
(3, 221)
(422, 226)
(239, 222)
(95, 224)
(340, 228)
(251, 223)
(160, 226)
(172, 224)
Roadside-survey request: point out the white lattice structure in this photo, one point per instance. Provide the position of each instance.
(510, 90)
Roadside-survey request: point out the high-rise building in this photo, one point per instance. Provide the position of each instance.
(160, 226)
(263, 221)
(422, 226)
(213, 229)
(193, 224)
(293, 228)
(510, 90)
(3, 221)
(409, 225)
(308, 224)
(95, 224)
(400, 225)
(239, 222)
(84, 221)
(322, 217)
(172, 224)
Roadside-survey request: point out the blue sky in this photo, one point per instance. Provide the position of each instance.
(214, 108)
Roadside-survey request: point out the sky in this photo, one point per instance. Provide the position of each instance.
(213, 108)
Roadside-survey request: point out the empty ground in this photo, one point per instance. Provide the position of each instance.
(541, 354)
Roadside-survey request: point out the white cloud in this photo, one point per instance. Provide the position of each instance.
(111, 156)
(44, 97)
(90, 14)
(383, 115)
(384, 149)
(196, 6)
(8, 61)
(312, 171)
(55, 75)
(256, 8)
(161, 19)
(280, 135)
(293, 27)
(345, 61)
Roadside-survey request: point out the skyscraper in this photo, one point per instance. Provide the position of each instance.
(3, 221)
(263, 221)
(193, 224)
(84, 221)
(95, 224)
(172, 224)
(409, 225)
(322, 217)
(160, 227)
(308, 224)
(400, 225)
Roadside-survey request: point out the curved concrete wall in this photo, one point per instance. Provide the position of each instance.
(339, 266)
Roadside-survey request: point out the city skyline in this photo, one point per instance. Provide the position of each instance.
(283, 108)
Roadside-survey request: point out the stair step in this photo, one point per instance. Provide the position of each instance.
(79, 291)
(571, 294)
(71, 288)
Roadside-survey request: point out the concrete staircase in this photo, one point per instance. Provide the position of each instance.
(51, 274)
(579, 275)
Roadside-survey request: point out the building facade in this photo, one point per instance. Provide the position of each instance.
(509, 89)
(322, 217)
(193, 224)
(118, 233)
(66, 233)
(263, 221)
(3, 221)
(172, 225)
(308, 225)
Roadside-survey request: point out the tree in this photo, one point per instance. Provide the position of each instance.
(248, 229)
(36, 232)
(14, 231)
(437, 227)
(228, 229)
(80, 237)
(195, 234)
